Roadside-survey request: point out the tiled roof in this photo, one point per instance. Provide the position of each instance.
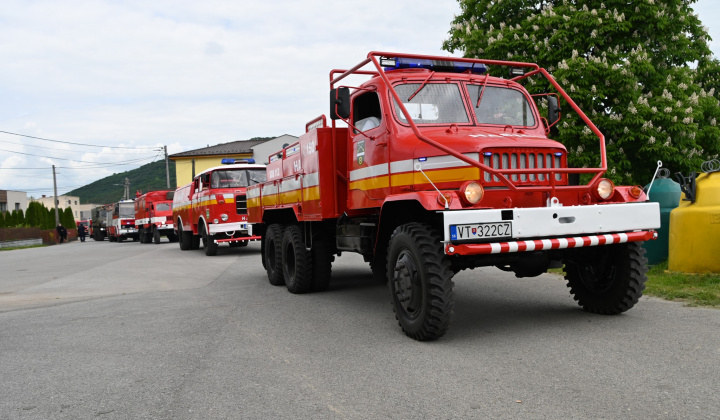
(231, 148)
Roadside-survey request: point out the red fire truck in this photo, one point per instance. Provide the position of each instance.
(441, 168)
(213, 207)
(153, 216)
(121, 221)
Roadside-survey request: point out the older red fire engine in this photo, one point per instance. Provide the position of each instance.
(121, 221)
(443, 168)
(213, 207)
(153, 216)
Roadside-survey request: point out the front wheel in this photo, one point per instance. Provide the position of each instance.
(184, 238)
(420, 282)
(607, 279)
(208, 241)
(156, 236)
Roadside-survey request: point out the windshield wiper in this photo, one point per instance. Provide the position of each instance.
(421, 86)
(481, 91)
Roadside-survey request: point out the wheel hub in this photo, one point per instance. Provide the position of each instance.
(407, 284)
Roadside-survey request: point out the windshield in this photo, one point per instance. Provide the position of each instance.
(232, 178)
(432, 103)
(162, 206)
(502, 106)
(127, 210)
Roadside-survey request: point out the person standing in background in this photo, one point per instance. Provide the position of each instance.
(82, 230)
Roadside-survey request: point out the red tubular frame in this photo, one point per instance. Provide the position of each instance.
(500, 173)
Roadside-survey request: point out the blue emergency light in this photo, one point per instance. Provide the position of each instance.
(396, 63)
(230, 161)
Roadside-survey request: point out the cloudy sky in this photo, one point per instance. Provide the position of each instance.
(132, 76)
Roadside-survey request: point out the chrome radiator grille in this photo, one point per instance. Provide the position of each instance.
(241, 204)
(524, 159)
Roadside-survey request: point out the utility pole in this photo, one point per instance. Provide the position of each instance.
(127, 188)
(167, 168)
(57, 216)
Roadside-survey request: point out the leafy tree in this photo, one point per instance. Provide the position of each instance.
(50, 218)
(35, 215)
(67, 219)
(12, 221)
(629, 65)
(20, 218)
(2, 219)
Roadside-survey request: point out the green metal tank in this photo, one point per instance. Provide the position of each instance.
(666, 192)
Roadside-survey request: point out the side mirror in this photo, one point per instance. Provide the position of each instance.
(553, 110)
(340, 103)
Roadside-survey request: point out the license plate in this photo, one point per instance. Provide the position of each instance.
(481, 231)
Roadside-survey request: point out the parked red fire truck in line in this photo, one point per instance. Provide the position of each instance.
(442, 168)
(121, 221)
(214, 207)
(153, 216)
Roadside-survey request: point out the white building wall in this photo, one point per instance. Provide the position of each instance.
(263, 150)
(66, 201)
(17, 200)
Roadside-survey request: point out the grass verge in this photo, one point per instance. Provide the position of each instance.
(693, 289)
(10, 248)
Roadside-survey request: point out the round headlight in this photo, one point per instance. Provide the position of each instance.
(605, 188)
(471, 192)
(224, 217)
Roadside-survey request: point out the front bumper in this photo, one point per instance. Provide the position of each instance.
(557, 227)
(230, 228)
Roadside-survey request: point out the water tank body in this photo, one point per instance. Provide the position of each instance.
(695, 229)
(666, 192)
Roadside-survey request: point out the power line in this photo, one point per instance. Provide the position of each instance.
(78, 144)
(52, 157)
(61, 150)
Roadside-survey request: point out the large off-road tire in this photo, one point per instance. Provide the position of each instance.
(607, 279)
(141, 234)
(421, 287)
(184, 238)
(156, 235)
(296, 261)
(272, 254)
(209, 243)
(322, 259)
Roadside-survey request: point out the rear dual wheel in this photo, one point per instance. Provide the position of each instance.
(287, 260)
(297, 261)
(272, 254)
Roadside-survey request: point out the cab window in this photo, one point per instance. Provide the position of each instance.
(366, 112)
(431, 103)
(501, 106)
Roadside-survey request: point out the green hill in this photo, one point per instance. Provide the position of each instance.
(150, 177)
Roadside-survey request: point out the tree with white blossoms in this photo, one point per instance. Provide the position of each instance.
(641, 70)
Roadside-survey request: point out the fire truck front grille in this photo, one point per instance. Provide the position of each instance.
(524, 159)
(241, 204)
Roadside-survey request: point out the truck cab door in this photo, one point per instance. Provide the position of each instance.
(368, 153)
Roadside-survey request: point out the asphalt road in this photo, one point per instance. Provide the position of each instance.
(130, 331)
